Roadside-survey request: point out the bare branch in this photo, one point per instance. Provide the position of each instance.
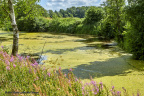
(6, 11)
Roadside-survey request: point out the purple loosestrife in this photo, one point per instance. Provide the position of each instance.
(12, 59)
(14, 65)
(8, 67)
(112, 88)
(83, 91)
(118, 93)
(70, 70)
(7, 62)
(49, 74)
(32, 65)
(28, 57)
(76, 79)
(101, 85)
(93, 83)
(35, 63)
(2, 47)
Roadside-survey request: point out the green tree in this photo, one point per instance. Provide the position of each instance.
(114, 13)
(135, 28)
(8, 8)
(93, 15)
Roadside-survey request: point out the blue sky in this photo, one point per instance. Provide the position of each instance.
(63, 4)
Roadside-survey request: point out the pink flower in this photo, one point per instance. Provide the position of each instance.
(70, 70)
(118, 93)
(20, 58)
(2, 46)
(7, 62)
(12, 59)
(32, 65)
(101, 85)
(76, 79)
(14, 65)
(35, 63)
(28, 57)
(8, 68)
(49, 74)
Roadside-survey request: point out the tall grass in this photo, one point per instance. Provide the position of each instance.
(24, 76)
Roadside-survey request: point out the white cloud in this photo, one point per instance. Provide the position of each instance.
(63, 4)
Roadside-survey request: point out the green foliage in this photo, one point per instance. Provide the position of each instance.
(38, 24)
(135, 30)
(93, 15)
(5, 49)
(106, 30)
(114, 15)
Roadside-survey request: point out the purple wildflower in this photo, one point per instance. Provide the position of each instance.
(97, 90)
(118, 93)
(70, 70)
(14, 65)
(112, 88)
(20, 58)
(49, 74)
(12, 59)
(76, 79)
(138, 94)
(59, 68)
(32, 65)
(101, 85)
(28, 57)
(7, 62)
(8, 67)
(83, 88)
(2, 47)
(95, 93)
(93, 82)
(35, 63)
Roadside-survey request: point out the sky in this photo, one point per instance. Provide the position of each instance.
(63, 4)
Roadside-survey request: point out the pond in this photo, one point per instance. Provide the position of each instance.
(86, 55)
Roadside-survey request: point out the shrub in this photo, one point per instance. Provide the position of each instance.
(106, 30)
(134, 29)
(93, 15)
(38, 24)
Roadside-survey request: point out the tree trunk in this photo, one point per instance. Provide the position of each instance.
(15, 29)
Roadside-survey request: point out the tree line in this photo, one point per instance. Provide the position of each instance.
(69, 12)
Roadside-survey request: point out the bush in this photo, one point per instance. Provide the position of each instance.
(134, 42)
(38, 24)
(93, 15)
(134, 29)
(106, 30)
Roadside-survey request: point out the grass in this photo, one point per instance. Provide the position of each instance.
(24, 76)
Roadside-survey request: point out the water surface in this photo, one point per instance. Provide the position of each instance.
(87, 55)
